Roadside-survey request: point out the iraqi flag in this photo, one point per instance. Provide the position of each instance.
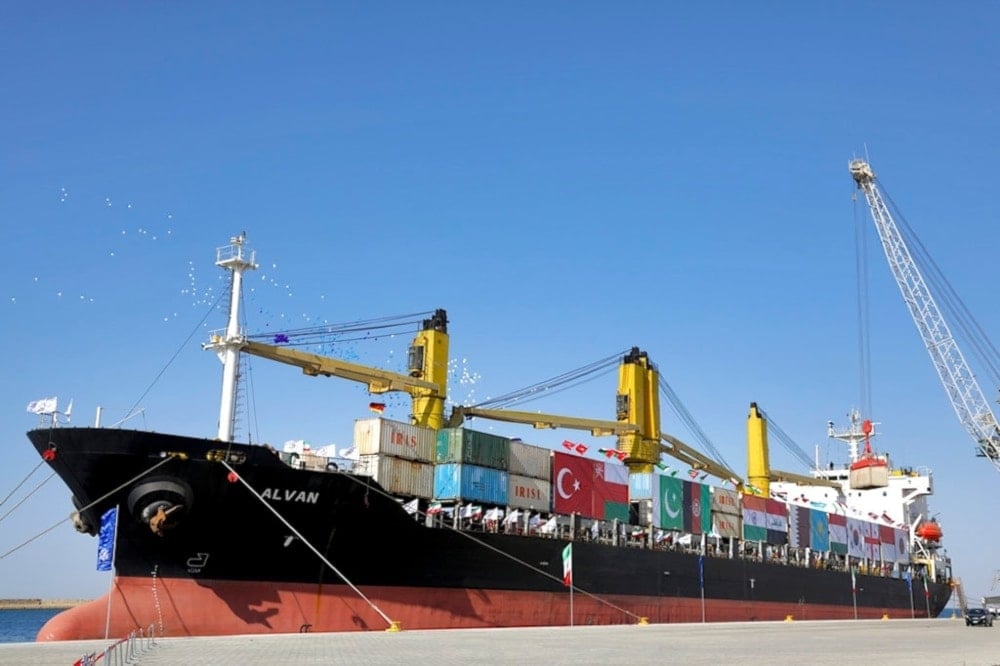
(668, 503)
(754, 518)
(697, 508)
(838, 533)
(776, 522)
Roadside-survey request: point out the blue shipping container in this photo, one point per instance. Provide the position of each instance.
(454, 481)
(640, 486)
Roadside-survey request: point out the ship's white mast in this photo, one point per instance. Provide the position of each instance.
(852, 436)
(236, 258)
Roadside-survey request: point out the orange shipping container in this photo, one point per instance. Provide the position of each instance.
(406, 478)
(393, 438)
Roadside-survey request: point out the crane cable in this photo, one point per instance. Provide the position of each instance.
(334, 333)
(685, 417)
(863, 309)
(787, 442)
(556, 384)
(972, 332)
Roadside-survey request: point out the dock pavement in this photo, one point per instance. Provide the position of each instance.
(868, 642)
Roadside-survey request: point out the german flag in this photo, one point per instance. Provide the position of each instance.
(377, 407)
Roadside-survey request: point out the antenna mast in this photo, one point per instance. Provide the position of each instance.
(236, 258)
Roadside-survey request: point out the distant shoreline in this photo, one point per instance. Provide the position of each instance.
(27, 604)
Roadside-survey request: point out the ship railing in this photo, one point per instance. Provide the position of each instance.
(623, 535)
(127, 650)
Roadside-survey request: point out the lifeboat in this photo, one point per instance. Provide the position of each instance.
(869, 470)
(929, 530)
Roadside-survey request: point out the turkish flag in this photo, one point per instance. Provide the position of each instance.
(572, 484)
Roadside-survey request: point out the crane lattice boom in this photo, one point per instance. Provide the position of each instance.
(959, 382)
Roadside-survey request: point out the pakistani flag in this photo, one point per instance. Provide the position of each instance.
(668, 503)
(567, 557)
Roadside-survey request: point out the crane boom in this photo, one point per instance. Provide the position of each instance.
(959, 382)
(677, 449)
(637, 408)
(378, 381)
(596, 427)
(426, 382)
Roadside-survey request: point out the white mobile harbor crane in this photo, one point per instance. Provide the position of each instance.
(960, 383)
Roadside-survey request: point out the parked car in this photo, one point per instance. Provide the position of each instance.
(978, 616)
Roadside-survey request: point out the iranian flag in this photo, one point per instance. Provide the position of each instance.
(838, 533)
(568, 565)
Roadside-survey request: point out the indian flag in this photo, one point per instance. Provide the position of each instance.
(567, 556)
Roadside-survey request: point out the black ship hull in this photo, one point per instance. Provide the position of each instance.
(248, 544)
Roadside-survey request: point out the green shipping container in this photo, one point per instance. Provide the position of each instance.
(460, 445)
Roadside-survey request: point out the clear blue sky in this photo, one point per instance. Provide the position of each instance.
(566, 179)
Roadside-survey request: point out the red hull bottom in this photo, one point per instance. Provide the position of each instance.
(176, 607)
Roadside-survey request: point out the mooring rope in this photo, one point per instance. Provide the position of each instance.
(169, 457)
(517, 560)
(308, 545)
(23, 481)
(25, 498)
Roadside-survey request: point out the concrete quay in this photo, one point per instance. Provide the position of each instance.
(939, 642)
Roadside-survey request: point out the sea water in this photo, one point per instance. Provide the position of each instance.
(21, 626)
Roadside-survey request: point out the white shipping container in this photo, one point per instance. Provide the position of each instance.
(407, 478)
(528, 460)
(393, 438)
(523, 492)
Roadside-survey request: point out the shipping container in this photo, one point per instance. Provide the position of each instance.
(407, 478)
(725, 501)
(524, 492)
(461, 445)
(394, 438)
(531, 461)
(643, 512)
(453, 481)
(640, 486)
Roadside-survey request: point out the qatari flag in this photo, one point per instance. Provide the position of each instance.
(801, 530)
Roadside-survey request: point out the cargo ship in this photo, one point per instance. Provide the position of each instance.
(435, 525)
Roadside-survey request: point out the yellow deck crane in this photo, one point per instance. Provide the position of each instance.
(637, 424)
(427, 364)
(759, 472)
